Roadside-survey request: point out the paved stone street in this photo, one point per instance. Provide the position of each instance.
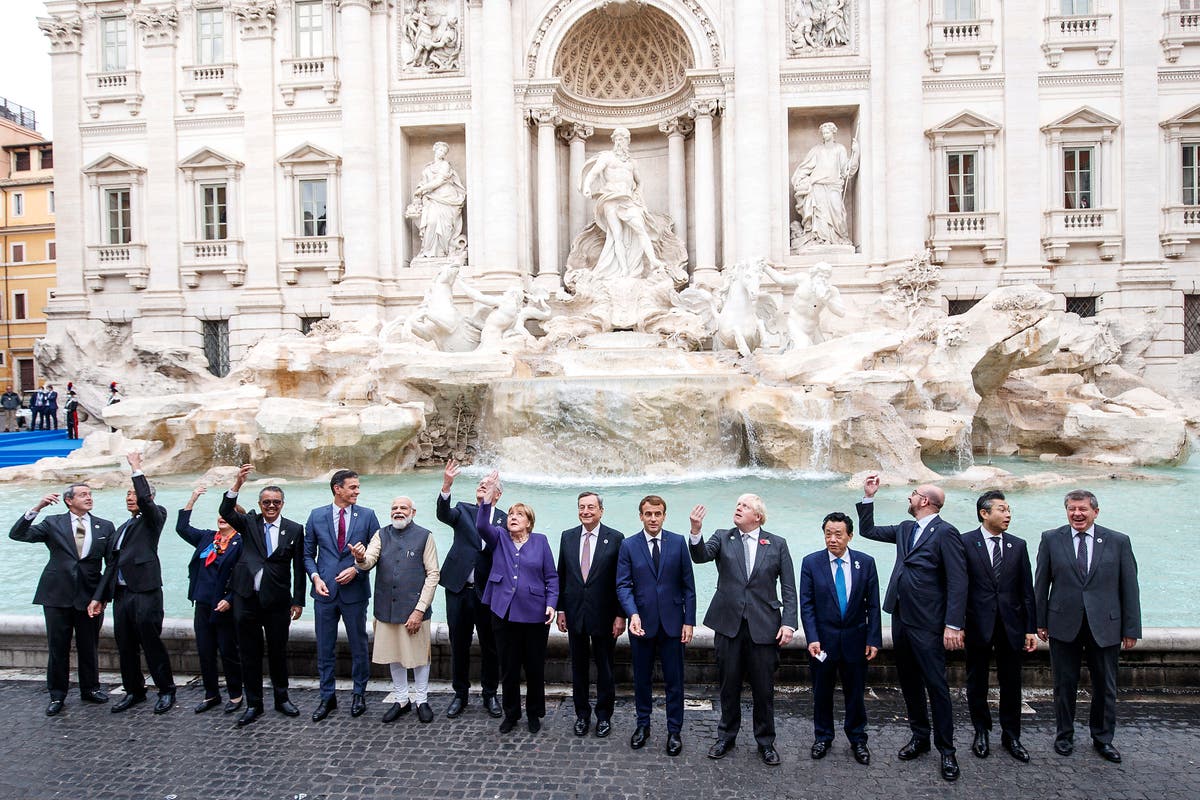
(87, 752)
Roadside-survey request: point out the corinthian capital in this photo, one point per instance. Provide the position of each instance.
(708, 107)
(679, 126)
(547, 115)
(65, 33)
(157, 25)
(575, 132)
(255, 17)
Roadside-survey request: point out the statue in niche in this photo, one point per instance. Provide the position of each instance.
(817, 25)
(814, 294)
(437, 206)
(432, 37)
(819, 185)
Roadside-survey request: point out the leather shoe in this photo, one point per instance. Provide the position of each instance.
(249, 715)
(233, 705)
(493, 707)
(819, 750)
(674, 745)
(639, 738)
(54, 707)
(165, 702)
(768, 755)
(603, 728)
(1107, 752)
(206, 704)
(1064, 747)
(1014, 748)
(397, 710)
(581, 726)
(456, 707)
(127, 702)
(721, 747)
(358, 705)
(285, 707)
(915, 747)
(508, 724)
(981, 747)
(861, 753)
(949, 767)
(96, 696)
(425, 713)
(534, 723)
(324, 708)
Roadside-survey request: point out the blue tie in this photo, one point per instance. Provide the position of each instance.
(840, 584)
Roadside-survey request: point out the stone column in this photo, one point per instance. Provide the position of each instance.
(493, 88)
(904, 62)
(751, 133)
(677, 130)
(704, 263)
(547, 119)
(576, 135)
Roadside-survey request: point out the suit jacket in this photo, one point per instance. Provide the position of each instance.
(67, 581)
(753, 599)
(842, 637)
(522, 583)
(1108, 595)
(665, 599)
(136, 559)
(591, 605)
(1010, 599)
(321, 553)
(223, 564)
(466, 551)
(288, 557)
(929, 581)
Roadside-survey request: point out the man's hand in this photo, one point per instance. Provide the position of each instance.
(952, 639)
(359, 551)
(296, 612)
(95, 609)
(448, 475)
(784, 635)
(48, 500)
(697, 517)
(562, 622)
(319, 586)
(135, 460)
(871, 485)
(635, 626)
(618, 627)
(1030, 643)
(872, 652)
(242, 475)
(686, 637)
(345, 576)
(814, 649)
(414, 622)
(550, 614)
(223, 606)
(1128, 643)
(1044, 634)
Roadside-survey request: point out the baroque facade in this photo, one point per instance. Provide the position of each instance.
(232, 168)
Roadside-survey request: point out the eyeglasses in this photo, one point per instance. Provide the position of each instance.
(270, 502)
(918, 494)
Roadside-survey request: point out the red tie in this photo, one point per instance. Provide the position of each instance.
(341, 530)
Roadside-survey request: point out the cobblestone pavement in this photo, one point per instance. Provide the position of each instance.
(89, 753)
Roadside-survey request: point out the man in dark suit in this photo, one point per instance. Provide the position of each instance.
(588, 610)
(133, 579)
(78, 542)
(268, 592)
(464, 577)
(754, 569)
(657, 591)
(927, 598)
(1000, 620)
(1088, 606)
(339, 589)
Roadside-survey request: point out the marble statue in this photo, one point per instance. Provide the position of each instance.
(814, 294)
(818, 25)
(504, 328)
(431, 36)
(819, 184)
(739, 316)
(438, 207)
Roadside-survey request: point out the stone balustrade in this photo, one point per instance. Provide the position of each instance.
(200, 80)
(1182, 29)
(972, 229)
(1099, 226)
(1078, 32)
(226, 256)
(108, 260)
(311, 252)
(119, 86)
(1181, 225)
(961, 37)
(316, 72)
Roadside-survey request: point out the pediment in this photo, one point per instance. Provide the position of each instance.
(308, 153)
(1189, 117)
(1085, 117)
(966, 122)
(109, 164)
(207, 157)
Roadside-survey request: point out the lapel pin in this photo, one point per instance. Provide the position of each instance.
(856, 565)
(606, 541)
(763, 542)
(979, 544)
(1010, 544)
(1099, 541)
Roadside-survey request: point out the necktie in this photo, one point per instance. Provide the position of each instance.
(585, 561)
(839, 583)
(912, 542)
(996, 556)
(80, 535)
(267, 532)
(654, 555)
(1081, 554)
(341, 530)
(746, 545)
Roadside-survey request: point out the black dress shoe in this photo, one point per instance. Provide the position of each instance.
(493, 707)
(949, 767)
(721, 748)
(819, 750)
(425, 713)
(674, 745)
(1064, 747)
(456, 707)
(54, 707)
(508, 724)
(861, 753)
(127, 702)
(603, 728)
(981, 747)
(581, 726)
(397, 710)
(915, 747)
(285, 706)
(96, 696)
(206, 704)
(165, 702)
(639, 738)
(768, 755)
(1107, 752)
(249, 715)
(324, 708)
(233, 705)
(358, 705)
(534, 723)
(1014, 748)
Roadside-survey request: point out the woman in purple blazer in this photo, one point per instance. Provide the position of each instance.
(522, 591)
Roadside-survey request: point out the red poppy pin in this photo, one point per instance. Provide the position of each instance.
(763, 542)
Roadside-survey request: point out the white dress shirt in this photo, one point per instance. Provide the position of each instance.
(845, 567)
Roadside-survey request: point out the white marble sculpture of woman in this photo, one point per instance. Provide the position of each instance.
(819, 184)
(438, 202)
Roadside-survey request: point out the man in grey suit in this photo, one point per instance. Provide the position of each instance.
(753, 569)
(1086, 593)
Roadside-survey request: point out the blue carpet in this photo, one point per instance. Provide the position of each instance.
(27, 447)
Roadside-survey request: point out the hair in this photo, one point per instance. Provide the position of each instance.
(442, 145)
(270, 489)
(526, 510)
(1082, 494)
(622, 132)
(599, 499)
(340, 477)
(825, 125)
(756, 505)
(985, 501)
(838, 516)
(69, 494)
(652, 500)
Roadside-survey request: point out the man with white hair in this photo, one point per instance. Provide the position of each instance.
(754, 568)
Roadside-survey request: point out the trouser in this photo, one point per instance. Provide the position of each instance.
(853, 674)
(669, 650)
(252, 622)
(354, 616)
(585, 649)
(1065, 660)
(466, 614)
(61, 623)
(420, 685)
(137, 627)
(522, 646)
(1008, 676)
(10, 420)
(921, 664)
(72, 424)
(51, 419)
(216, 633)
(739, 658)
